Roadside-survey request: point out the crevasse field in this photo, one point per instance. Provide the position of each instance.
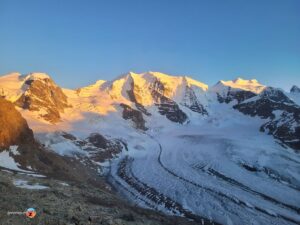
(221, 168)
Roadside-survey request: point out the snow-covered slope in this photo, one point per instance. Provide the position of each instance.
(11, 86)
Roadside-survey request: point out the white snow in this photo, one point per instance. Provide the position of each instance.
(60, 145)
(25, 184)
(8, 162)
(64, 184)
(11, 86)
(37, 76)
(14, 149)
(239, 84)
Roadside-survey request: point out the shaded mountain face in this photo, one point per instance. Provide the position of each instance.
(134, 115)
(254, 99)
(14, 129)
(166, 106)
(266, 103)
(282, 112)
(191, 101)
(295, 89)
(231, 95)
(238, 90)
(41, 94)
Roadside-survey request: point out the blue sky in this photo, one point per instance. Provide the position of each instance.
(78, 42)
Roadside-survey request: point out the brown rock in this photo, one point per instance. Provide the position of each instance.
(14, 129)
(43, 94)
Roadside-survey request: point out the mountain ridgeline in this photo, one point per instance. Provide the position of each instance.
(151, 97)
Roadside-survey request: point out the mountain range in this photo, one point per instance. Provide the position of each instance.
(141, 97)
(226, 154)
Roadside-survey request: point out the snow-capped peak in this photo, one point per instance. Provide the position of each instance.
(165, 78)
(141, 84)
(192, 82)
(240, 84)
(37, 76)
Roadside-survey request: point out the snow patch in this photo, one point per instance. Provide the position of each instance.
(25, 184)
(8, 162)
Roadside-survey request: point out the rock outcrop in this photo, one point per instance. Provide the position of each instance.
(41, 94)
(191, 101)
(134, 115)
(232, 94)
(165, 105)
(295, 89)
(14, 129)
(282, 112)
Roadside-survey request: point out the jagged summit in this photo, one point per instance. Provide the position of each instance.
(154, 89)
(240, 84)
(295, 89)
(238, 89)
(36, 76)
(276, 94)
(34, 92)
(151, 76)
(170, 86)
